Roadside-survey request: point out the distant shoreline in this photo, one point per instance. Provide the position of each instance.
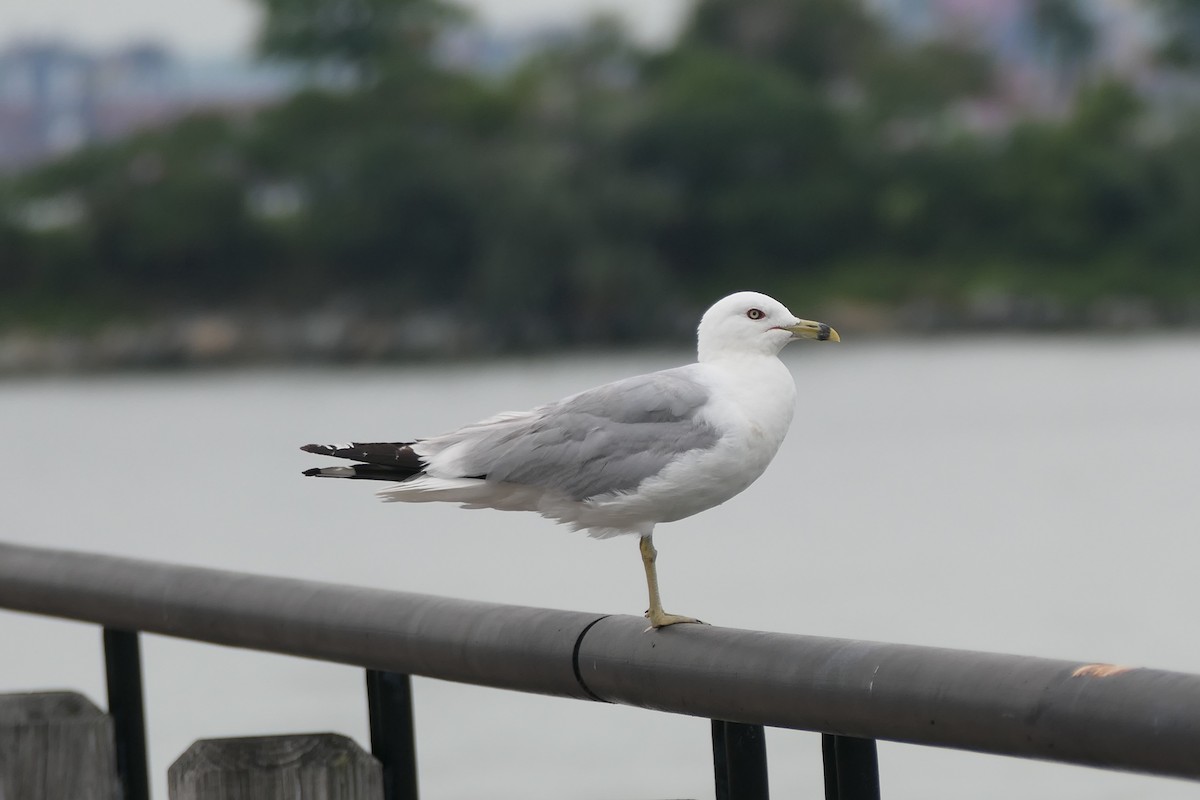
(201, 340)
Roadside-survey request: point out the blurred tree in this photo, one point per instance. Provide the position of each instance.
(1170, 241)
(568, 228)
(362, 38)
(386, 178)
(596, 189)
(385, 168)
(1180, 22)
(163, 218)
(756, 161)
(923, 82)
(772, 123)
(1082, 195)
(16, 275)
(818, 40)
(1068, 36)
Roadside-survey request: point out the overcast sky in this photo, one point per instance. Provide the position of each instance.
(226, 27)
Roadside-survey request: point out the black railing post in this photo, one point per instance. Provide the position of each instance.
(851, 768)
(739, 761)
(393, 739)
(123, 671)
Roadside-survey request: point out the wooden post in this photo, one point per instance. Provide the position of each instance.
(56, 744)
(312, 766)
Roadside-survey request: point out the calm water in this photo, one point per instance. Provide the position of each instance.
(1033, 496)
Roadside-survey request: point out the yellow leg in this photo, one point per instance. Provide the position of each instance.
(658, 618)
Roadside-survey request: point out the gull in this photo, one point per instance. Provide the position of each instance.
(623, 457)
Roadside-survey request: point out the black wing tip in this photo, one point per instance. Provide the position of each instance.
(383, 461)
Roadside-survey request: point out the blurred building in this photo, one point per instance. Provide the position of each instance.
(1037, 75)
(56, 97)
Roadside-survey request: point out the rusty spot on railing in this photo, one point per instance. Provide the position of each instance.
(1099, 671)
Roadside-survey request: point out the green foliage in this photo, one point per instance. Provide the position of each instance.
(816, 40)
(161, 215)
(756, 162)
(922, 82)
(1180, 20)
(598, 188)
(1065, 30)
(366, 37)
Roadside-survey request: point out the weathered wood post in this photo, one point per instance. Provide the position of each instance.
(312, 766)
(56, 746)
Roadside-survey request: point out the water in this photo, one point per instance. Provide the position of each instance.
(1033, 496)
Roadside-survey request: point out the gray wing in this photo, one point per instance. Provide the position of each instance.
(607, 439)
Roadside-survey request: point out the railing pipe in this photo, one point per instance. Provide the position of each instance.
(1098, 715)
(508, 647)
(1133, 719)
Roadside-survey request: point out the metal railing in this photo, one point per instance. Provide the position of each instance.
(854, 692)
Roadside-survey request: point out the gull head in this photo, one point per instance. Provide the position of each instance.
(749, 323)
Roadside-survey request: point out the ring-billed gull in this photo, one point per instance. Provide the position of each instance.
(622, 457)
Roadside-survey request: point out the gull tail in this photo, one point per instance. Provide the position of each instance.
(384, 461)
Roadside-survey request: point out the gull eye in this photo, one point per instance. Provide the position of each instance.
(755, 313)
